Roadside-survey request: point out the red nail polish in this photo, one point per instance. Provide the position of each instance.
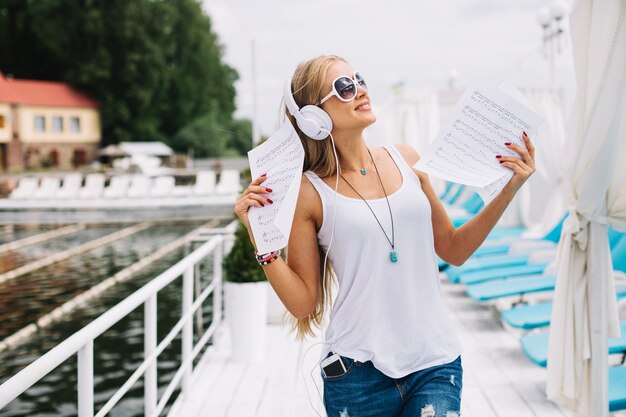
(269, 190)
(270, 201)
(501, 161)
(525, 134)
(498, 156)
(262, 205)
(507, 143)
(263, 175)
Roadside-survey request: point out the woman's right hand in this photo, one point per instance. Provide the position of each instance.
(252, 197)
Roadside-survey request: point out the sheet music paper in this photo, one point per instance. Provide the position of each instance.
(465, 149)
(282, 158)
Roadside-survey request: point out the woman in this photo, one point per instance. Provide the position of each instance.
(388, 322)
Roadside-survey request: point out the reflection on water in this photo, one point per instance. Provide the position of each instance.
(19, 257)
(119, 351)
(11, 234)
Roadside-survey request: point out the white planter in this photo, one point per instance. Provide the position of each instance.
(275, 307)
(246, 313)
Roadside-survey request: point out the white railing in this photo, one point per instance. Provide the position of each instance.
(81, 342)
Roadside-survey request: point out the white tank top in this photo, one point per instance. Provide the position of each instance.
(390, 313)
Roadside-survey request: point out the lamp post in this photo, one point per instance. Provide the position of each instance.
(550, 20)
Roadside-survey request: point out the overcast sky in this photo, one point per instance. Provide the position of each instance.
(416, 42)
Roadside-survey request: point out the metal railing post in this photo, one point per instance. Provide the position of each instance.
(217, 276)
(150, 345)
(85, 380)
(187, 335)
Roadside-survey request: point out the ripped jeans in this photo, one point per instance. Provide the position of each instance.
(364, 391)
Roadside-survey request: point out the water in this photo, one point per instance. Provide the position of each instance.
(15, 258)
(118, 351)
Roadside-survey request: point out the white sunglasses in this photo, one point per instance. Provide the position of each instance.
(345, 88)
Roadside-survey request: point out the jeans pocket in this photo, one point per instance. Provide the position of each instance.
(347, 362)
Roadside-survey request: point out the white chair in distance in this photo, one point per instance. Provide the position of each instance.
(205, 183)
(229, 182)
(71, 186)
(94, 186)
(48, 188)
(139, 186)
(182, 190)
(26, 187)
(162, 186)
(118, 186)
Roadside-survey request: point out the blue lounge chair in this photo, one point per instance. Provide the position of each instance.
(487, 256)
(535, 346)
(446, 191)
(454, 273)
(508, 287)
(532, 316)
(494, 248)
(617, 388)
(496, 267)
(499, 273)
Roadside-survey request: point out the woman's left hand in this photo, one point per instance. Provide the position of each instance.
(522, 168)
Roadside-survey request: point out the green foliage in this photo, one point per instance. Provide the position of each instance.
(211, 137)
(155, 66)
(240, 264)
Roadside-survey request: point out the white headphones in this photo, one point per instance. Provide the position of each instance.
(312, 120)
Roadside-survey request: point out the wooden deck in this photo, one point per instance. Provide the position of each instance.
(498, 380)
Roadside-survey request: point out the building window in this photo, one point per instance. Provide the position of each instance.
(40, 124)
(57, 124)
(74, 124)
(1, 121)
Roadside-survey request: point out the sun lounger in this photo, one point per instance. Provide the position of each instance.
(48, 188)
(532, 316)
(486, 269)
(229, 182)
(25, 188)
(535, 346)
(205, 183)
(139, 186)
(454, 272)
(163, 186)
(71, 186)
(508, 287)
(617, 388)
(477, 277)
(118, 187)
(446, 191)
(94, 186)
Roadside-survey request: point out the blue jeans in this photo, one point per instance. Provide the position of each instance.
(364, 391)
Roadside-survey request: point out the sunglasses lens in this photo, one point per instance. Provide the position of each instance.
(359, 79)
(346, 88)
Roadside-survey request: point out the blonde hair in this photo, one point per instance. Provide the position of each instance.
(308, 88)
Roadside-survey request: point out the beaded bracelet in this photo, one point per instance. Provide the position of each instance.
(267, 258)
(269, 261)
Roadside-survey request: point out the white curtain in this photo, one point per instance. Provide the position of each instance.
(542, 200)
(585, 308)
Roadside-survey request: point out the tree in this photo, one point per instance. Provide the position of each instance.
(155, 66)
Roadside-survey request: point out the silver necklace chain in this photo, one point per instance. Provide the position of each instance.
(393, 238)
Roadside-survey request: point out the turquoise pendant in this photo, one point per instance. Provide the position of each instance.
(393, 256)
(363, 172)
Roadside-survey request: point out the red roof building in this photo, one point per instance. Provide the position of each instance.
(42, 93)
(46, 124)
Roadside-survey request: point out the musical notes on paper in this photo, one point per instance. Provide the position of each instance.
(282, 158)
(465, 149)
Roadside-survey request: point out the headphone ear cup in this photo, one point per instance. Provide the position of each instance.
(315, 122)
